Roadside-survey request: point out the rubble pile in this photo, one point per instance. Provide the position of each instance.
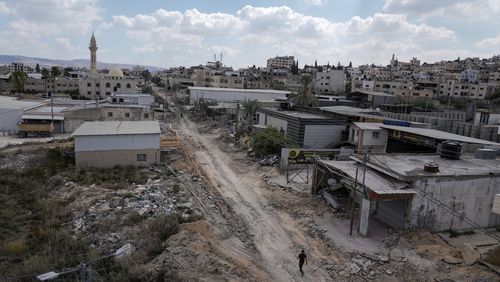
(109, 216)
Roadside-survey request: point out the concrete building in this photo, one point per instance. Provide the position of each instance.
(11, 112)
(368, 136)
(403, 193)
(233, 95)
(306, 129)
(117, 143)
(97, 84)
(281, 62)
(132, 99)
(330, 81)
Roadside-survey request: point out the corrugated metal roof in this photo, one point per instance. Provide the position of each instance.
(438, 134)
(42, 117)
(373, 181)
(369, 125)
(118, 128)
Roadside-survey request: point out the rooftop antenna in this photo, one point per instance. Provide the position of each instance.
(221, 58)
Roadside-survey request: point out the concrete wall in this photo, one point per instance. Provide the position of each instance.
(233, 96)
(276, 122)
(471, 196)
(75, 118)
(117, 142)
(9, 119)
(111, 158)
(320, 136)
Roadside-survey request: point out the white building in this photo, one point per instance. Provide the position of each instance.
(102, 85)
(331, 81)
(368, 136)
(105, 84)
(281, 62)
(234, 95)
(11, 112)
(113, 143)
(145, 100)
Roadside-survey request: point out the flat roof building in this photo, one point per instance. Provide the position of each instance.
(418, 190)
(113, 143)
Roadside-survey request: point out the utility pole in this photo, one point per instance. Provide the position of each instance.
(237, 118)
(51, 112)
(354, 192)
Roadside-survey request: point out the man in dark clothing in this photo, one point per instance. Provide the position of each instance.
(302, 258)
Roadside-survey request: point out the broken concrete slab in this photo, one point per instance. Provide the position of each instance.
(452, 260)
(354, 268)
(469, 254)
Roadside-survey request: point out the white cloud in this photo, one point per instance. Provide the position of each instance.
(148, 48)
(266, 31)
(456, 9)
(4, 9)
(489, 42)
(315, 2)
(66, 43)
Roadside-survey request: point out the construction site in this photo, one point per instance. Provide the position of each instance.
(211, 209)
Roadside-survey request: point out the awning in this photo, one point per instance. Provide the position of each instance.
(42, 117)
(379, 187)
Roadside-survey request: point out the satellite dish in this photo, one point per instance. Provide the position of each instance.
(331, 181)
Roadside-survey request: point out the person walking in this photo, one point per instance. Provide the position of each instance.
(302, 258)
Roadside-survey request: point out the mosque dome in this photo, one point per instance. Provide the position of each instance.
(115, 72)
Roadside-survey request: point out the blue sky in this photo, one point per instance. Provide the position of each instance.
(171, 33)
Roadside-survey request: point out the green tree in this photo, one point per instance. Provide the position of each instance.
(270, 141)
(147, 89)
(55, 71)
(305, 97)
(18, 81)
(37, 68)
(146, 75)
(66, 71)
(45, 73)
(156, 80)
(250, 107)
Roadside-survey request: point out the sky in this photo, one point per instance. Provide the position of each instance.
(169, 33)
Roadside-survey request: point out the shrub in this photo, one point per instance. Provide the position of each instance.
(15, 248)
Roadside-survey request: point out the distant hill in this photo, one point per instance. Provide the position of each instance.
(32, 61)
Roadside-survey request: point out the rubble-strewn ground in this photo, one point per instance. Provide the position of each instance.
(210, 213)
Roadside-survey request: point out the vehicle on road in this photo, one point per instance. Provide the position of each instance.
(25, 129)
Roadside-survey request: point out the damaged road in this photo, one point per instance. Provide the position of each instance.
(275, 237)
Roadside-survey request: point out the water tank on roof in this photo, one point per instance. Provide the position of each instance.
(450, 150)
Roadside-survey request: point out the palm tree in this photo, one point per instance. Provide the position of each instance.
(251, 107)
(18, 80)
(305, 97)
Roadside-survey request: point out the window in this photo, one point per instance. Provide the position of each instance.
(108, 85)
(89, 84)
(110, 114)
(141, 157)
(127, 115)
(375, 134)
(118, 85)
(146, 115)
(128, 85)
(108, 93)
(97, 85)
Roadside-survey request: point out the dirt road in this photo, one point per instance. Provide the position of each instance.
(276, 240)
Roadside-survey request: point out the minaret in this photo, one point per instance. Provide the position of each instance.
(93, 50)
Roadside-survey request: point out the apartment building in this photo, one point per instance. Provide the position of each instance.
(281, 62)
